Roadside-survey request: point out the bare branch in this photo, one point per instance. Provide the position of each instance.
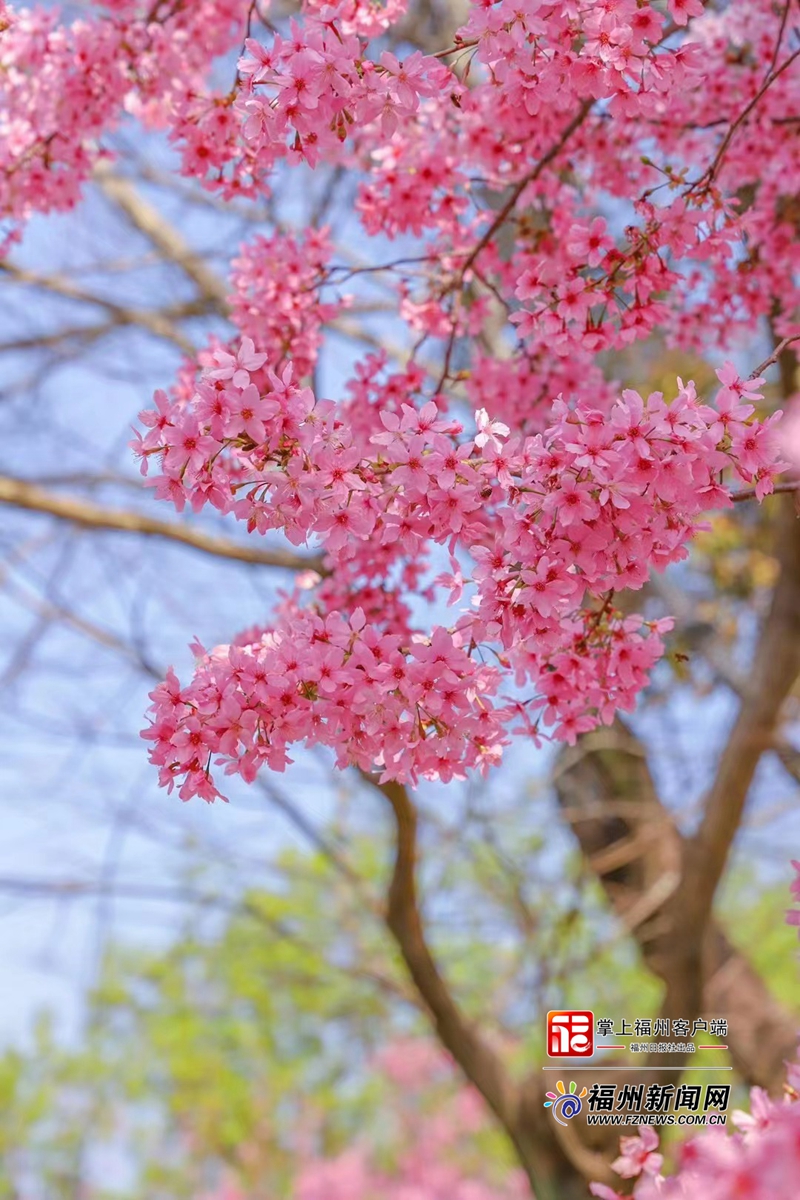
(776, 354)
(684, 610)
(477, 1059)
(161, 324)
(19, 494)
(163, 235)
(158, 323)
(778, 489)
(81, 889)
(48, 611)
(556, 1167)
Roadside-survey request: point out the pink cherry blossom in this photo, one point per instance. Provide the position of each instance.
(758, 1162)
(236, 367)
(682, 10)
(639, 1154)
(793, 914)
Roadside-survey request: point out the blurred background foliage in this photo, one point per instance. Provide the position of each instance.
(259, 1041)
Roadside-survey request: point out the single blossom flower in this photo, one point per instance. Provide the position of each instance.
(639, 1154)
(489, 432)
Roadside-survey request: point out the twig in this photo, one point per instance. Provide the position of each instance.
(163, 235)
(123, 314)
(773, 358)
(781, 31)
(532, 175)
(750, 493)
(503, 216)
(710, 174)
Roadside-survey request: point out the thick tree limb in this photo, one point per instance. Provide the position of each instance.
(628, 838)
(776, 666)
(682, 608)
(470, 1050)
(556, 1164)
(19, 494)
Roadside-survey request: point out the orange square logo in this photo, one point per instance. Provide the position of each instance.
(570, 1034)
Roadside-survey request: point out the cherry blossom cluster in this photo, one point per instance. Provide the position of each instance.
(520, 389)
(559, 180)
(62, 86)
(411, 704)
(761, 1161)
(365, 18)
(612, 92)
(306, 93)
(573, 177)
(631, 113)
(260, 446)
(276, 300)
(301, 96)
(567, 106)
(541, 531)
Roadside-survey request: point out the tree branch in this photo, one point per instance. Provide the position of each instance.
(775, 669)
(163, 235)
(607, 793)
(776, 355)
(19, 494)
(683, 609)
(557, 1166)
(479, 1062)
(711, 173)
(155, 322)
(776, 666)
(778, 490)
(532, 175)
(62, 890)
(48, 611)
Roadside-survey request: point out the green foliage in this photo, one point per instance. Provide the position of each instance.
(256, 1034)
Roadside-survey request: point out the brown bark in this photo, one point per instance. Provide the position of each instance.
(774, 671)
(556, 1161)
(629, 839)
(18, 493)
